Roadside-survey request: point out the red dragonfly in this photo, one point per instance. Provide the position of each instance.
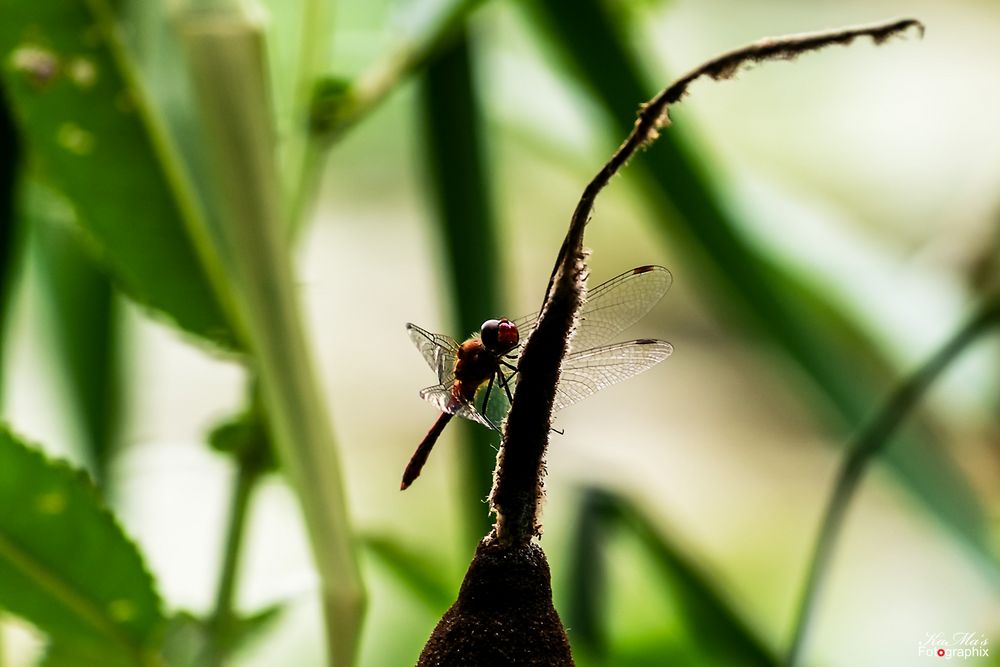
(490, 357)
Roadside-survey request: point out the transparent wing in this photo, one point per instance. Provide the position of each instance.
(611, 307)
(440, 397)
(498, 405)
(588, 372)
(437, 350)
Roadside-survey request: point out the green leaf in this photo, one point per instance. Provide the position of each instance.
(586, 577)
(66, 565)
(93, 136)
(827, 346)
(714, 625)
(10, 241)
(189, 639)
(82, 304)
(60, 654)
(466, 221)
(245, 437)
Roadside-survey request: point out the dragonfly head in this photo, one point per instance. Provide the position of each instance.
(499, 336)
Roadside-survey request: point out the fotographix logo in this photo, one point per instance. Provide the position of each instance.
(961, 645)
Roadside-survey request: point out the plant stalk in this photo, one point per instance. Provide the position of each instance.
(227, 61)
(221, 621)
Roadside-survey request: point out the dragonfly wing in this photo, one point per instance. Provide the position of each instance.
(498, 405)
(617, 304)
(440, 396)
(437, 350)
(612, 306)
(585, 373)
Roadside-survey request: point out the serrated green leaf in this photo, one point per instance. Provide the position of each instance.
(66, 566)
(60, 654)
(94, 138)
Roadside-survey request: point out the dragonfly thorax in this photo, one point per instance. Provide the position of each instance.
(474, 365)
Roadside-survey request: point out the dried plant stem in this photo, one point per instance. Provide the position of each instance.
(870, 442)
(519, 476)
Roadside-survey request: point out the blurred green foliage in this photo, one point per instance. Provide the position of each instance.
(72, 88)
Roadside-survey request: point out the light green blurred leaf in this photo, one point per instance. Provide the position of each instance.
(716, 632)
(189, 639)
(425, 578)
(93, 137)
(82, 304)
(66, 565)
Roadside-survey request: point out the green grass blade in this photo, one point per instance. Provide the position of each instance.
(85, 326)
(466, 221)
(66, 565)
(414, 570)
(226, 56)
(869, 443)
(93, 136)
(586, 577)
(824, 343)
(713, 625)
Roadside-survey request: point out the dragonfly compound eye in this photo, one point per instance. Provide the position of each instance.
(498, 336)
(507, 334)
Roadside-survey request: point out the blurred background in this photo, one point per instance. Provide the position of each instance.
(829, 224)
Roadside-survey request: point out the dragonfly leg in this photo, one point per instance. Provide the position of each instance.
(486, 396)
(505, 383)
(508, 365)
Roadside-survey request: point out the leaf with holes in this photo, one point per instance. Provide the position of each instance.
(66, 565)
(92, 135)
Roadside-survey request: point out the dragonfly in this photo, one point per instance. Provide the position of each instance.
(489, 358)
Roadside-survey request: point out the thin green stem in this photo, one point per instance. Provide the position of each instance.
(220, 624)
(363, 96)
(411, 56)
(304, 195)
(870, 442)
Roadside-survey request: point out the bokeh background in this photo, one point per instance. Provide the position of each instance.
(870, 176)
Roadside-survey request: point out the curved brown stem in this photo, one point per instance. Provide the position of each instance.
(519, 477)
